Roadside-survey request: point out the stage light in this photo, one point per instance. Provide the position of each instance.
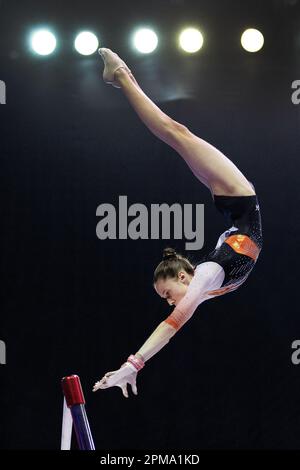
(145, 40)
(191, 40)
(86, 43)
(43, 42)
(252, 40)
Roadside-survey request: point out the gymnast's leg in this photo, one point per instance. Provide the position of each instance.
(207, 163)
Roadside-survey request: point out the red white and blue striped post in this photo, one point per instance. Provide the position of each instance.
(74, 413)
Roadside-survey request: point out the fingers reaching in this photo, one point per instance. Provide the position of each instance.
(120, 378)
(100, 384)
(97, 386)
(103, 382)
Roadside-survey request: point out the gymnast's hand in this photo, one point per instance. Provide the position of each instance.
(119, 378)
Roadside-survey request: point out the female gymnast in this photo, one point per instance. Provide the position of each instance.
(224, 269)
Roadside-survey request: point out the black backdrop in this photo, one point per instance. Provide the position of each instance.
(71, 303)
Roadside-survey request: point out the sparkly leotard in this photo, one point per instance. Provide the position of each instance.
(227, 267)
(238, 247)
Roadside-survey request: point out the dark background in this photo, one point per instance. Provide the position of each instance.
(71, 303)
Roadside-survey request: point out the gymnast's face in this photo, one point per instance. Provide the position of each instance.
(173, 289)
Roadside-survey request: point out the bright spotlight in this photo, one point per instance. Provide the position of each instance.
(43, 42)
(145, 40)
(86, 43)
(252, 40)
(191, 40)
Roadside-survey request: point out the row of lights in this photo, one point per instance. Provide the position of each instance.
(43, 42)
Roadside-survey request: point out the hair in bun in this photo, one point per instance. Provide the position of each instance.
(172, 263)
(169, 253)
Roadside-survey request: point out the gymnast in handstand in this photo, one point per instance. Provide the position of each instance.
(223, 270)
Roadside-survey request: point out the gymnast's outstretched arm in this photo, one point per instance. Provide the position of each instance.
(207, 276)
